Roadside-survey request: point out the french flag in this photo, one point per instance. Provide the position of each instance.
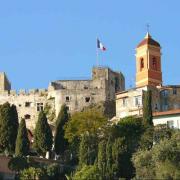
(100, 45)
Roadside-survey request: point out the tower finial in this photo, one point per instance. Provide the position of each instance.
(147, 27)
(147, 34)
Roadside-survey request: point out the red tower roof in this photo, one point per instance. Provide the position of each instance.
(149, 41)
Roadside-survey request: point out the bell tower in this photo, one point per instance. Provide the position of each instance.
(148, 62)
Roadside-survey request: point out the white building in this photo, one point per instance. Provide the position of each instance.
(170, 118)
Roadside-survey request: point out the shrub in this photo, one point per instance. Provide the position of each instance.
(90, 172)
(53, 171)
(17, 164)
(32, 173)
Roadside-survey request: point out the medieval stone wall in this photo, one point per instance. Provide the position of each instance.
(28, 104)
(76, 94)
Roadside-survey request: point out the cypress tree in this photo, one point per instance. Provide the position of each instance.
(109, 160)
(8, 127)
(42, 135)
(22, 141)
(102, 158)
(87, 149)
(147, 108)
(83, 150)
(15, 120)
(118, 150)
(60, 143)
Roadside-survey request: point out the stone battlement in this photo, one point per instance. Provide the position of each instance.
(38, 92)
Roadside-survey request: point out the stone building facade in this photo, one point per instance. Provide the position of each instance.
(76, 94)
(28, 104)
(148, 76)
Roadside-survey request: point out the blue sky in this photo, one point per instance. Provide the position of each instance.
(43, 40)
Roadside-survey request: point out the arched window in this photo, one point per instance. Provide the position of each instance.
(141, 63)
(154, 63)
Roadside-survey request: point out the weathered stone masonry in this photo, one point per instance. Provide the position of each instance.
(76, 94)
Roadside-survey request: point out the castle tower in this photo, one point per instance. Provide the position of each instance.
(5, 85)
(148, 62)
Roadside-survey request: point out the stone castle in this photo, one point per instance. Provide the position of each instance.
(104, 86)
(76, 94)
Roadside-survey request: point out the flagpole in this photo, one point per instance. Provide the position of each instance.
(97, 53)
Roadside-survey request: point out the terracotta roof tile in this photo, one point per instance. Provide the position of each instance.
(169, 112)
(148, 41)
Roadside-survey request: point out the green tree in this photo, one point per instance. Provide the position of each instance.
(8, 127)
(52, 171)
(90, 121)
(15, 119)
(22, 141)
(129, 130)
(144, 164)
(87, 149)
(102, 158)
(109, 160)
(153, 135)
(160, 162)
(74, 151)
(90, 172)
(42, 135)
(60, 143)
(162, 132)
(146, 141)
(166, 156)
(147, 137)
(32, 173)
(147, 107)
(118, 153)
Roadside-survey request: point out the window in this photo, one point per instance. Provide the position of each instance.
(39, 106)
(142, 63)
(27, 116)
(164, 93)
(170, 124)
(27, 104)
(154, 63)
(174, 91)
(124, 102)
(116, 84)
(156, 107)
(87, 99)
(67, 98)
(138, 100)
(86, 87)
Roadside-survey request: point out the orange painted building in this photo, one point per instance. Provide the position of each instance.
(148, 62)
